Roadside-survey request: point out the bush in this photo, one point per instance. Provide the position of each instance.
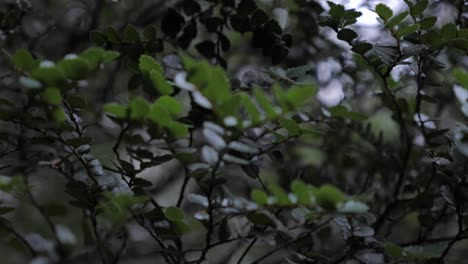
(233, 131)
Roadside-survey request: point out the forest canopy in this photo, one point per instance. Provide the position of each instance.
(233, 131)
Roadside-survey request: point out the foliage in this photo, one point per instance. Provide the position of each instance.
(147, 136)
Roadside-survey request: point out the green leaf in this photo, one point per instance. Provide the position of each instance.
(174, 214)
(23, 60)
(52, 95)
(130, 34)
(397, 19)
(93, 56)
(264, 103)
(280, 195)
(383, 11)
(218, 88)
(48, 75)
(407, 30)
(260, 197)
(362, 48)
(177, 129)
(461, 44)
(118, 110)
(341, 111)
(250, 108)
(419, 7)
(147, 64)
(180, 228)
(110, 55)
(347, 35)
(291, 126)
(159, 115)
(160, 83)
(304, 193)
(336, 11)
(449, 31)
(427, 23)
(59, 115)
(461, 76)
(172, 106)
(328, 196)
(298, 71)
(138, 108)
(76, 101)
(75, 69)
(299, 94)
(259, 218)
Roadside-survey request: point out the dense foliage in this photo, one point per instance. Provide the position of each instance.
(208, 131)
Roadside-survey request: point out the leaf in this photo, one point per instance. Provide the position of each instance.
(172, 23)
(328, 196)
(298, 71)
(259, 218)
(174, 214)
(264, 103)
(341, 111)
(461, 44)
(76, 101)
(362, 48)
(246, 7)
(130, 34)
(383, 11)
(52, 95)
(336, 11)
(117, 110)
(49, 75)
(75, 69)
(407, 30)
(141, 182)
(110, 55)
(146, 64)
(160, 83)
(461, 76)
(172, 106)
(191, 7)
(427, 23)
(218, 88)
(259, 17)
(304, 193)
(138, 108)
(347, 35)
(300, 93)
(397, 19)
(449, 31)
(291, 126)
(419, 7)
(206, 48)
(260, 197)
(59, 115)
(23, 60)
